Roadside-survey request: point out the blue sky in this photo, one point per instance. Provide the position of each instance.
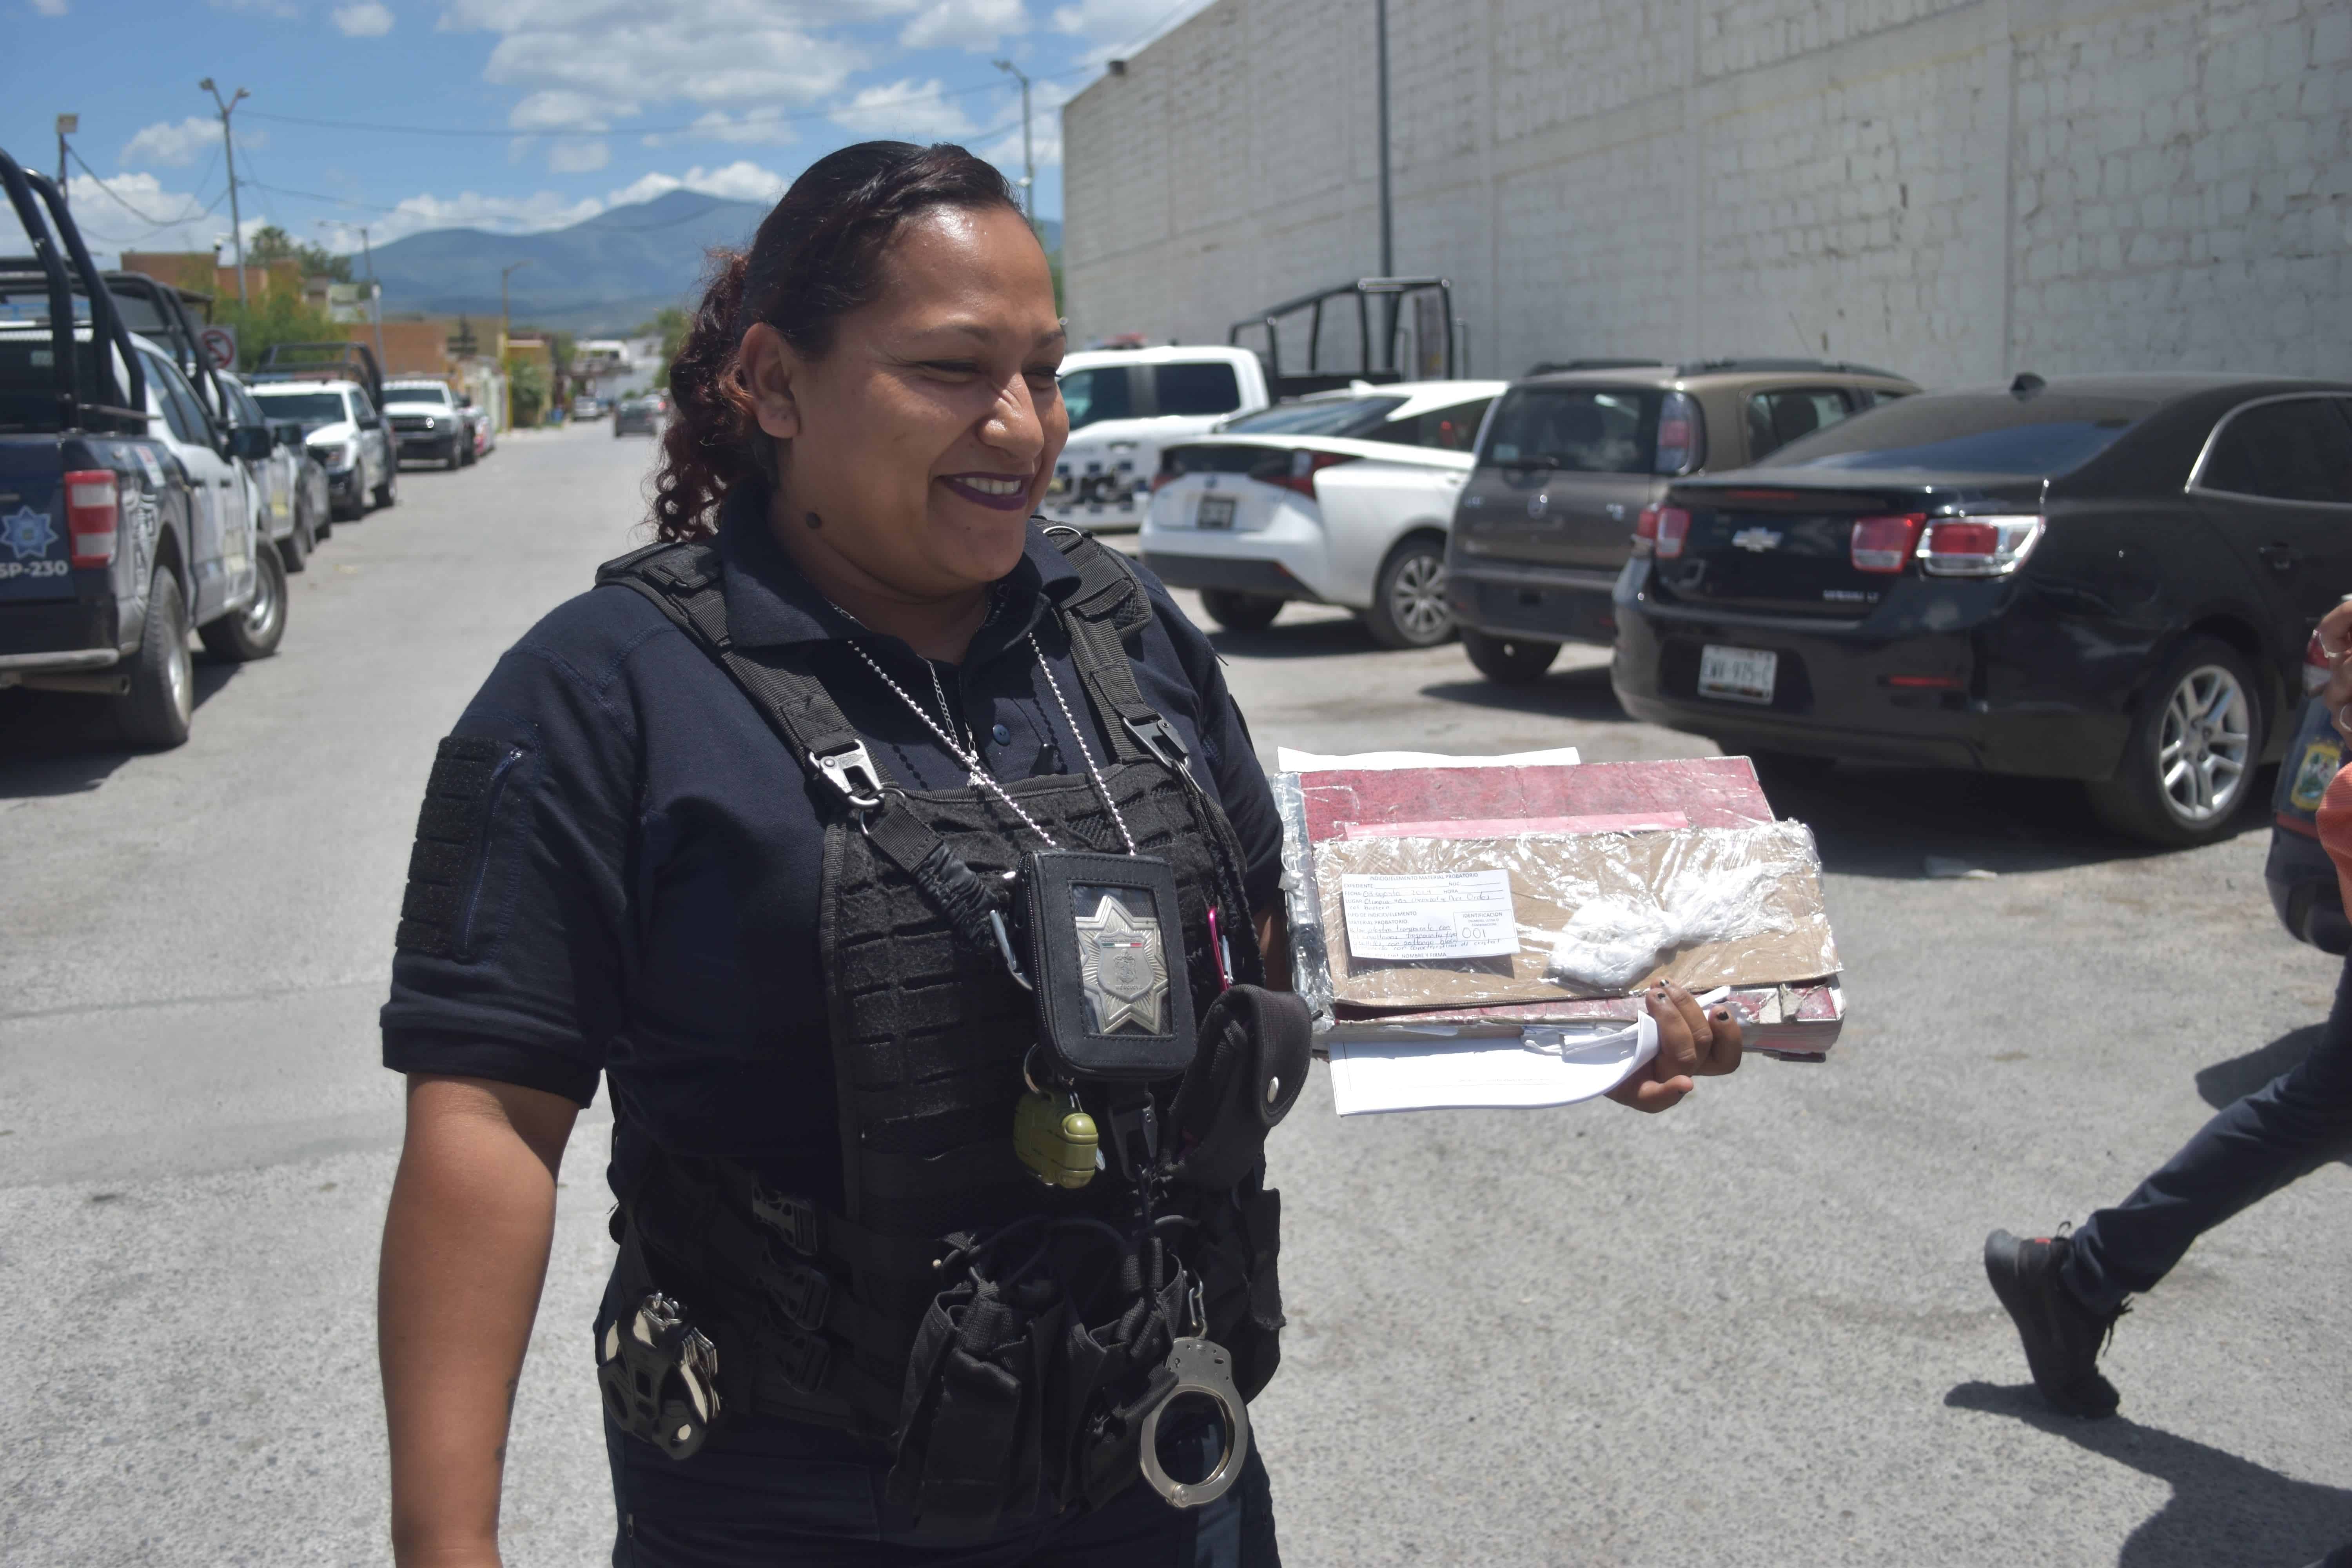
(566, 107)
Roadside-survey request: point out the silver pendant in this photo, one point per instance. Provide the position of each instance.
(1122, 969)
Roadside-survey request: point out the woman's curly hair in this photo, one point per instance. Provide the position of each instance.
(817, 255)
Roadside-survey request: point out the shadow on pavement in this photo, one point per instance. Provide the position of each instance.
(55, 743)
(2222, 1509)
(2226, 1082)
(1301, 639)
(1581, 694)
(1879, 821)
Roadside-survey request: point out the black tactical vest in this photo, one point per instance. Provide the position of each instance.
(818, 1316)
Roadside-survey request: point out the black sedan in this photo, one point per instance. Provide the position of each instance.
(2104, 578)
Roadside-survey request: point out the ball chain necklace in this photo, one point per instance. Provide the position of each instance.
(966, 750)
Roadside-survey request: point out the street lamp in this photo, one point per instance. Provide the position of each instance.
(67, 124)
(1028, 158)
(236, 224)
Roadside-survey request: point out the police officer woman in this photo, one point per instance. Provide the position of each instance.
(906, 871)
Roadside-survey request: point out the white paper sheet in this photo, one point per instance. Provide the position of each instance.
(1289, 761)
(1538, 1067)
(1459, 914)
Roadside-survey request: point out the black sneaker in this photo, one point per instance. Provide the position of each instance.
(2063, 1337)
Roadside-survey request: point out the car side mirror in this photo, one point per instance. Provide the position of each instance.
(371, 423)
(253, 443)
(287, 431)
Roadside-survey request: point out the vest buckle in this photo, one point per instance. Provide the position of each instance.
(849, 770)
(794, 1219)
(1158, 736)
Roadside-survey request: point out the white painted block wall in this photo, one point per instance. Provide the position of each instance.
(1955, 191)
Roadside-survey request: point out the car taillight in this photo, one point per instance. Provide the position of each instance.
(1645, 531)
(1977, 546)
(1167, 474)
(1669, 530)
(93, 513)
(2315, 666)
(1883, 543)
(1296, 470)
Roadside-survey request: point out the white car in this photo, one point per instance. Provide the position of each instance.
(1341, 498)
(347, 435)
(1125, 405)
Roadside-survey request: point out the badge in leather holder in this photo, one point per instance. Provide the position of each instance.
(1107, 954)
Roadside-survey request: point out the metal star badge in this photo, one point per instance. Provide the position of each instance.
(27, 532)
(1122, 968)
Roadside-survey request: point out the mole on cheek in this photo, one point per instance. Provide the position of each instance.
(814, 522)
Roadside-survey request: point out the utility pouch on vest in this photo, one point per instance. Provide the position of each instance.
(1106, 958)
(1245, 1077)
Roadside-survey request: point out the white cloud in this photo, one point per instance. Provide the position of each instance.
(557, 110)
(284, 10)
(48, 7)
(741, 181)
(920, 110)
(753, 127)
(1120, 27)
(501, 214)
(713, 53)
(126, 216)
(578, 154)
(178, 145)
(978, 25)
(363, 19)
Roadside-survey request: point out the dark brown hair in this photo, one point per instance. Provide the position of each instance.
(817, 255)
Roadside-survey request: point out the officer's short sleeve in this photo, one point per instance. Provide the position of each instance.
(506, 962)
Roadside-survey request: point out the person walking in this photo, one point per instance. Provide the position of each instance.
(881, 851)
(2066, 1292)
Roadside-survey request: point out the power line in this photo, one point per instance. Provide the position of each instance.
(807, 114)
(119, 201)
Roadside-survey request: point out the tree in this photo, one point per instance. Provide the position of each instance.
(274, 316)
(527, 389)
(274, 244)
(672, 324)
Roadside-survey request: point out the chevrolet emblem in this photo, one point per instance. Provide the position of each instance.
(1760, 540)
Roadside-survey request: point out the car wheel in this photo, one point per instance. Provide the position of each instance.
(1239, 612)
(388, 492)
(294, 550)
(453, 461)
(1408, 607)
(1512, 662)
(2188, 763)
(255, 631)
(162, 696)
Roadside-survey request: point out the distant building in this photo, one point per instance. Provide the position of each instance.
(1955, 189)
(202, 272)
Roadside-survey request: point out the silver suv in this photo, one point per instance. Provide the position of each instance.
(1572, 457)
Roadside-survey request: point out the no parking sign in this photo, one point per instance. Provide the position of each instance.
(219, 346)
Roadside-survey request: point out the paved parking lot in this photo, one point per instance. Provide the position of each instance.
(1750, 1332)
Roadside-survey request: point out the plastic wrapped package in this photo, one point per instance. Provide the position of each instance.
(1412, 923)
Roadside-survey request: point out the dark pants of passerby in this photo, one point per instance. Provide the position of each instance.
(2283, 1130)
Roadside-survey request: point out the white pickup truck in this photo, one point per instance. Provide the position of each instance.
(1125, 405)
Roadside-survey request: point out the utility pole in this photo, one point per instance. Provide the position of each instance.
(67, 125)
(235, 223)
(1028, 156)
(1388, 223)
(505, 335)
(375, 289)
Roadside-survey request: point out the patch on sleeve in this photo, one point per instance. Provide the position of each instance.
(452, 841)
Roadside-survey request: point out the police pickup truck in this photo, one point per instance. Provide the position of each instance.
(125, 515)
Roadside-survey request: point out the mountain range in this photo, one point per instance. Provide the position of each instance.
(600, 277)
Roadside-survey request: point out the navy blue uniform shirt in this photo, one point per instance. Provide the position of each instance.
(642, 899)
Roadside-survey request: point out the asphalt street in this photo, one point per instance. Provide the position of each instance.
(1753, 1331)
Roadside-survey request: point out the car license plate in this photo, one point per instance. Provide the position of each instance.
(1742, 674)
(1214, 511)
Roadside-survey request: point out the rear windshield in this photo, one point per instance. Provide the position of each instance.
(1196, 389)
(1582, 429)
(312, 408)
(1321, 417)
(1969, 433)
